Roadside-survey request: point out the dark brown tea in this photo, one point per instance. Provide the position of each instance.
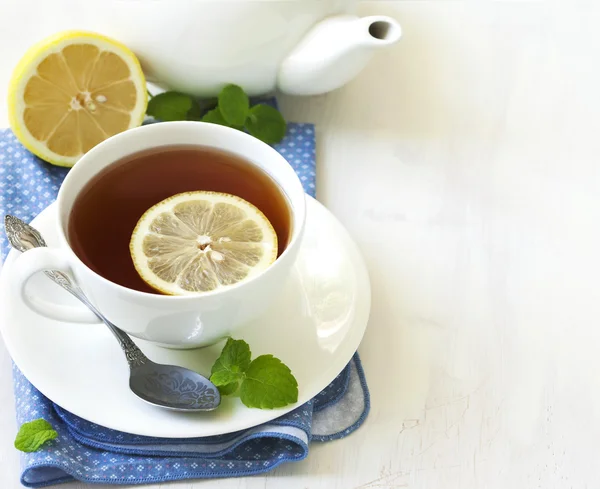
(107, 209)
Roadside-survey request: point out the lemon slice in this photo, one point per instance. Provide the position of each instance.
(72, 91)
(198, 242)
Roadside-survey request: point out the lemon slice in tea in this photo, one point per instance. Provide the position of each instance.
(198, 242)
(73, 90)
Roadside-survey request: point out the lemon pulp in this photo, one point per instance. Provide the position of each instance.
(198, 242)
(72, 91)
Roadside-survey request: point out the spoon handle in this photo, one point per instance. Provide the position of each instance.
(23, 237)
(134, 355)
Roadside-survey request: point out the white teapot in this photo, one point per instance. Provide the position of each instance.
(301, 47)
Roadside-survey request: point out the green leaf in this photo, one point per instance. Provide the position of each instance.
(199, 107)
(224, 377)
(195, 112)
(235, 353)
(170, 106)
(33, 435)
(231, 364)
(234, 105)
(266, 123)
(228, 389)
(266, 382)
(269, 384)
(215, 117)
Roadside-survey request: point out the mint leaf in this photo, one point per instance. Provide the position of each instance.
(266, 382)
(266, 123)
(231, 364)
(215, 117)
(234, 105)
(195, 112)
(228, 389)
(170, 106)
(235, 353)
(33, 435)
(224, 377)
(269, 384)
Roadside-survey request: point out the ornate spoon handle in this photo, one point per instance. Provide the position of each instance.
(134, 355)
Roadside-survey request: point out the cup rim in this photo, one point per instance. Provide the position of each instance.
(299, 218)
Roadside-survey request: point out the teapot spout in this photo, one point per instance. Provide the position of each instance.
(333, 52)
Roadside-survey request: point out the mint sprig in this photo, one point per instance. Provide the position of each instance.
(264, 383)
(266, 123)
(268, 384)
(233, 110)
(234, 105)
(215, 117)
(33, 435)
(231, 365)
(173, 106)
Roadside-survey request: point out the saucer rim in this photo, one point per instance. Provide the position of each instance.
(326, 376)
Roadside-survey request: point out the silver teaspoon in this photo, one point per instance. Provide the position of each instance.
(167, 386)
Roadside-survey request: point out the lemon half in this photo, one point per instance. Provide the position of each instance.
(73, 90)
(198, 242)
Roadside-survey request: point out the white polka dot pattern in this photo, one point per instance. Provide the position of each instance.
(92, 453)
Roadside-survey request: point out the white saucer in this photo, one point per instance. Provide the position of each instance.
(315, 329)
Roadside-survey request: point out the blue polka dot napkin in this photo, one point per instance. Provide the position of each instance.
(92, 453)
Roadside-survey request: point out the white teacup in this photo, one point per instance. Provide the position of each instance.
(172, 321)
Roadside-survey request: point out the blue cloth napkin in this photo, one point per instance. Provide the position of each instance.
(92, 453)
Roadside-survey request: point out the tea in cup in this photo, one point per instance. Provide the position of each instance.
(108, 193)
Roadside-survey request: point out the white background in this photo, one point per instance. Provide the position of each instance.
(465, 162)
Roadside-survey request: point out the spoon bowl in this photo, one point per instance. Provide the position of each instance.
(173, 387)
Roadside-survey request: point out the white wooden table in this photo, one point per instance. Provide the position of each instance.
(465, 163)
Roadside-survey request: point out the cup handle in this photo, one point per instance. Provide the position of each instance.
(55, 262)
